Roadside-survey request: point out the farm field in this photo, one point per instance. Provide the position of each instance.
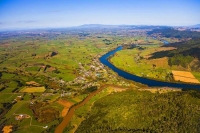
(184, 76)
(39, 72)
(32, 89)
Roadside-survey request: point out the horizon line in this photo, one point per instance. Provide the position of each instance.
(92, 24)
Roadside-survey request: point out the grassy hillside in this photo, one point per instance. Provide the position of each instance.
(186, 55)
(170, 32)
(135, 111)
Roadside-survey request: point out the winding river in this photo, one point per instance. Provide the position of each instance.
(149, 82)
(68, 117)
(104, 60)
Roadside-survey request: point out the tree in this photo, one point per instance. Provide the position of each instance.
(154, 66)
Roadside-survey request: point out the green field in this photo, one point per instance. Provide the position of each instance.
(24, 59)
(38, 68)
(135, 61)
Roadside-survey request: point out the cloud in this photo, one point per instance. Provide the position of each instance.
(27, 21)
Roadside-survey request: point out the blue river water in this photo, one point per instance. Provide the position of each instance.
(149, 82)
(165, 42)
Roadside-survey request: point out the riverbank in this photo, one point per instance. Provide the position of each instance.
(149, 82)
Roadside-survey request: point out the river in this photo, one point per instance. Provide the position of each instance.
(165, 42)
(104, 60)
(68, 117)
(149, 82)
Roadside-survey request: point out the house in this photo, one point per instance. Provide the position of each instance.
(19, 117)
(45, 127)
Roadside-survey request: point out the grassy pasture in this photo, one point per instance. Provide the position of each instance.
(21, 107)
(196, 75)
(7, 76)
(8, 90)
(125, 60)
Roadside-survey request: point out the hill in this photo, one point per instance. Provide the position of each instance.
(170, 32)
(187, 54)
(190, 48)
(135, 111)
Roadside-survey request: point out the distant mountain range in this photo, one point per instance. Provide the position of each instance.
(97, 26)
(121, 26)
(132, 26)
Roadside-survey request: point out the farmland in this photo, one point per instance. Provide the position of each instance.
(33, 89)
(151, 61)
(44, 73)
(39, 69)
(138, 62)
(184, 76)
(99, 66)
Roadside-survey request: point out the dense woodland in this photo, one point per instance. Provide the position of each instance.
(191, 47)
(135, 111)
(179, 59)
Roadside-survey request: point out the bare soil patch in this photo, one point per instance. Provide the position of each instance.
(164, 49)
(66, 105)
(184, 76)
(7, 129)
(160, 62)
(33, 83)
(118, 89)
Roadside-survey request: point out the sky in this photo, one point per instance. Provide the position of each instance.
(66, 13)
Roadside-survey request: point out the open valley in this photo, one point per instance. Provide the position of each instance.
(99, 66)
